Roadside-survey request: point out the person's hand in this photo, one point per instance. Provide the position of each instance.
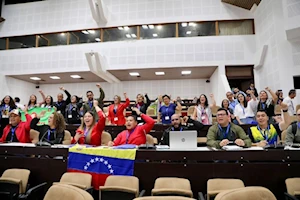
(138, 112)
(95, 103)
(42, 114)
(110, 143)
(185, 119)
(41, 91)
(211, 95)
(283, 106)
(268, 89)
(62, 88)
(262, 143)
(78, 136)
(98, 85)
(239, 142)
(224, 142)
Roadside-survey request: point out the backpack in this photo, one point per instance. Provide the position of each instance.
(294, 127)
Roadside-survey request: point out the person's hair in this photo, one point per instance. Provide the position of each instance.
(51, 100)
(59, 121)
(17, 99)
(222, 105)
(77, 98)
(245, 102)
(134, 117)
(264, 92)
(82, 125)
(223, 109)
(166, 96)
(119, 98)
(11, 103)
(278, 92)
(206, 101)
(89, 92)
(29, 102)
(292, 92)
(264, 111)
(141, 96)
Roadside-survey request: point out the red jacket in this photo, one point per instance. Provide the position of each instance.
(96, 132)
(22, 131)
(138, 136)
(118, 118)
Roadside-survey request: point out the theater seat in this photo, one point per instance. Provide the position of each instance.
(34, 136)
(217, 185)
(150, 112)
(190, 110)
(120, 187)
(67, 192)
(168, 186)
(283, 135)
(293, 188)
(19, 176)
(67, 138)
(105, 138)
(247, 193)
(80, 180)
(164, 198)
(149, 139)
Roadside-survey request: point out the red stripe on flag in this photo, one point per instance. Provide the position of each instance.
(97, 179)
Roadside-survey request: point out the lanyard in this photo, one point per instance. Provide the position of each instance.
(86, 131)
(71, 107)
(6, 107)
(202, 110)
(167, 111)
(227, 130)
(58, 104)
(298, 124)
(180, 129)
(12, 133)
(49, 133)
(115, 110)
(265, 136)
(263, 105)
(232, 103)
(90, 104)
(243, 109)
(128, 135)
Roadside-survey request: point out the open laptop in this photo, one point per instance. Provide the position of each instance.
(183, 139)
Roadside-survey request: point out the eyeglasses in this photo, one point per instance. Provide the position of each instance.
(298, 115)
(221, 115)
(175, 119)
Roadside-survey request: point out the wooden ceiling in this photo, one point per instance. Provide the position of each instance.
(247, 4)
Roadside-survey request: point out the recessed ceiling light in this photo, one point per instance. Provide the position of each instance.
(62, 34)
(188, 32)
(75, 76)
(55, 77)
(134, 74)
(92, 31)
(186, 72)
(159, 73)
(128, 35)
(85, 32)
(151, 26)
(126, 28)
(120, 28)
(159, 27)
(133, 35)
(184, 24)
(35, 78)
(155, 35)
(98, 39)
(192, 24)
(145, 26)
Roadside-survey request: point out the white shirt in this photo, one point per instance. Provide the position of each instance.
(22, 107)
(288, 101)
(242, 113)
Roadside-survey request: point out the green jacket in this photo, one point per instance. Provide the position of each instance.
(215, 136)
(86, 106)
(292, 137)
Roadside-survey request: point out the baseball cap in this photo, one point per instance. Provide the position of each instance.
(16, 112)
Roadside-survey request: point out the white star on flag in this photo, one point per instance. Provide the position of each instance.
(101, 159)
(105, 162)
(85, 167)
(92, 160)
(96, 159)
(88, 164)
(111, 171)
(109, 166)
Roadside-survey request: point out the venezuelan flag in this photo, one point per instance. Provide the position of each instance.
(101, 162)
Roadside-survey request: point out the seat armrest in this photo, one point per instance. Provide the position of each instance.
(39, 188)
(90, 190)
(200, 196)
(289, 197)
(142, 193)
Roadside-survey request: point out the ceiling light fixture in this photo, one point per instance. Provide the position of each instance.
(159, 73)
(120, 28)
(188, 32)
(133, 35)
(62, 34)
(145, 26)
(55, 77)
(128, 35)
(126, 28)
(85, 32)
(159, 27)
(192, 24)
(155, 35)
(98, 39)
(186, 72)
(92, 31)
(151, 26)
(75, 76)
(35, 78)
(134, 74)
(184, 24)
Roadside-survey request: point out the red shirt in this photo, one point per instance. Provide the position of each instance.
(96, 132)
(22, 132)
(118, 118)
(138, 136)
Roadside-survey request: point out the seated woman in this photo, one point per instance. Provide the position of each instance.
(90, 131)
(245, 111)
(54, 132)
(225, 104)
(202, 112)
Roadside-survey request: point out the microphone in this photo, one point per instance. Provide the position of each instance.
(41, 143)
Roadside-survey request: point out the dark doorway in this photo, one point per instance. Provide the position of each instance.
(240, 76)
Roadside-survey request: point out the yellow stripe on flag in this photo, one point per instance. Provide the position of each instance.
(108, 152)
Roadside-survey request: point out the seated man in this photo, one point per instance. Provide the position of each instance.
(293, 131)
(17, 131)
(224, 132)
(135, 134)
(178, 126)
(265, 133)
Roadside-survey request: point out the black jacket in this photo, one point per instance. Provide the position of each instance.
(73, 113)
(61, 106)
(143, 108)
(191, 125)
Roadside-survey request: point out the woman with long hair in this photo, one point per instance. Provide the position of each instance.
(203, 113)
(225, 104)
(48, 102)
(244, 111)
(7, 105)
(116, 111)
(90, 131)
(72, 112)
(33, 100)
(142, 104)
(267, 104)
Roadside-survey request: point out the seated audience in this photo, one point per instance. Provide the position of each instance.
(135, 134)
(48, 103)
(142, 105)
(17, 131)
(293, 131)
(289, 101)
(7, 105)
(18, 104)
(224, 132)
(267, 104)
(116, 111)
(72, 113)
(202, 112)
(244, 111)
(177, 125)
(167, 110)
(61, 103)
(252, 88)
(33, 100)
(54, 132)
(90, 131)
(225, 104)
(232, 102)
(237, 91)
(279, 95)
(266, 133)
